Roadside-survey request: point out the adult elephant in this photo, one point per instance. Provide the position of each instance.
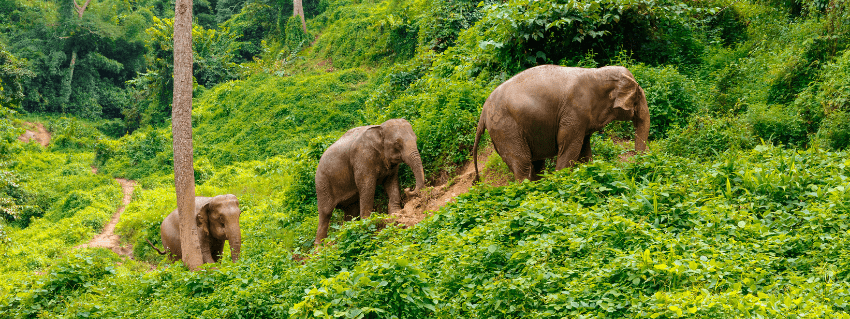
(217, 219)
(551, 110)
(353, 166)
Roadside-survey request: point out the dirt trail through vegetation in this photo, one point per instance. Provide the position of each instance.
(107, 238)
(36, 132)
(450, 186)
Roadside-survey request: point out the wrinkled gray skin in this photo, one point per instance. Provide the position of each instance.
(351, 168)
(551, 110)
(217, 219)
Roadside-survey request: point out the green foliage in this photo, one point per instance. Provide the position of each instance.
(441, 22)
(830, 94)
(777, 124)
(71, 134)
(67, 278)
(835, 130)
(146, 152)
(8, 133)
(368, 33)
(707, 136)
(76, 204)
(103, 44)
(13, 72)
(213, 55)
(671, 96)
(294, 34)
(264, 115)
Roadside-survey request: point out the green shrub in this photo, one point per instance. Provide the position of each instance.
(605, 148)
(827, 95)
(359, 34)
(706, 136)
(68, 206)
(835, 130)
(69, 276)
(72, 134)
(777, 124)
(8, 133)
(295, 37)
(670, 95)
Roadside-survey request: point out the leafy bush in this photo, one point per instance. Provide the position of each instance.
(835, 130)
(358, 34)
(706, 136)
(71, 275)
(671, 97)
(828, 95)
(777, 124)
(72, 134)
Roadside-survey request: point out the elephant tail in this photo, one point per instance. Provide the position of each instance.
(478, 132)
(154, 247)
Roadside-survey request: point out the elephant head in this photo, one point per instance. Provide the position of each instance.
(218, 220)
(399, 143)
(630, 100)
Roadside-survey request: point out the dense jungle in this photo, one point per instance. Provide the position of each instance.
(739, 207)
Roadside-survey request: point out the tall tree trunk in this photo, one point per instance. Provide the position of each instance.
(66, 90)
(298, 10)
(181, 127)
(79, 10)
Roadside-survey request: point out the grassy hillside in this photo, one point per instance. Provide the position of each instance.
(738, 210)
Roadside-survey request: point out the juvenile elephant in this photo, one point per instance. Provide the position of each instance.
(551, 110)
(354, 165)
(217, 219)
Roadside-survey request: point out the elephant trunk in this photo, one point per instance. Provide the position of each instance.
(641, 123)
(234, 238)
(413, 160)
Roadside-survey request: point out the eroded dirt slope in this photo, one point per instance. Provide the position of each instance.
(450, 186)
(35, 132)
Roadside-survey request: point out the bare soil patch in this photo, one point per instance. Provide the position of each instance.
(450, 185)
(35, 132)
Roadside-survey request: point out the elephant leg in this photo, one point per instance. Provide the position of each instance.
(393, 189)
(569, 147)
(514, 151)
(326, 208)
(366, 188)
(537, 169)
(585, 155)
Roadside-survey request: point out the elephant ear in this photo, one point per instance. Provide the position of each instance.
(203, 219)
(375, 135)
(627, 91)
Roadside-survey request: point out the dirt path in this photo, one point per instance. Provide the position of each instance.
(107, 238)
(35, 132)
(450, 186)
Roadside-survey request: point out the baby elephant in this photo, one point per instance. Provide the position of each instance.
(363, 158)
(217, 219)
